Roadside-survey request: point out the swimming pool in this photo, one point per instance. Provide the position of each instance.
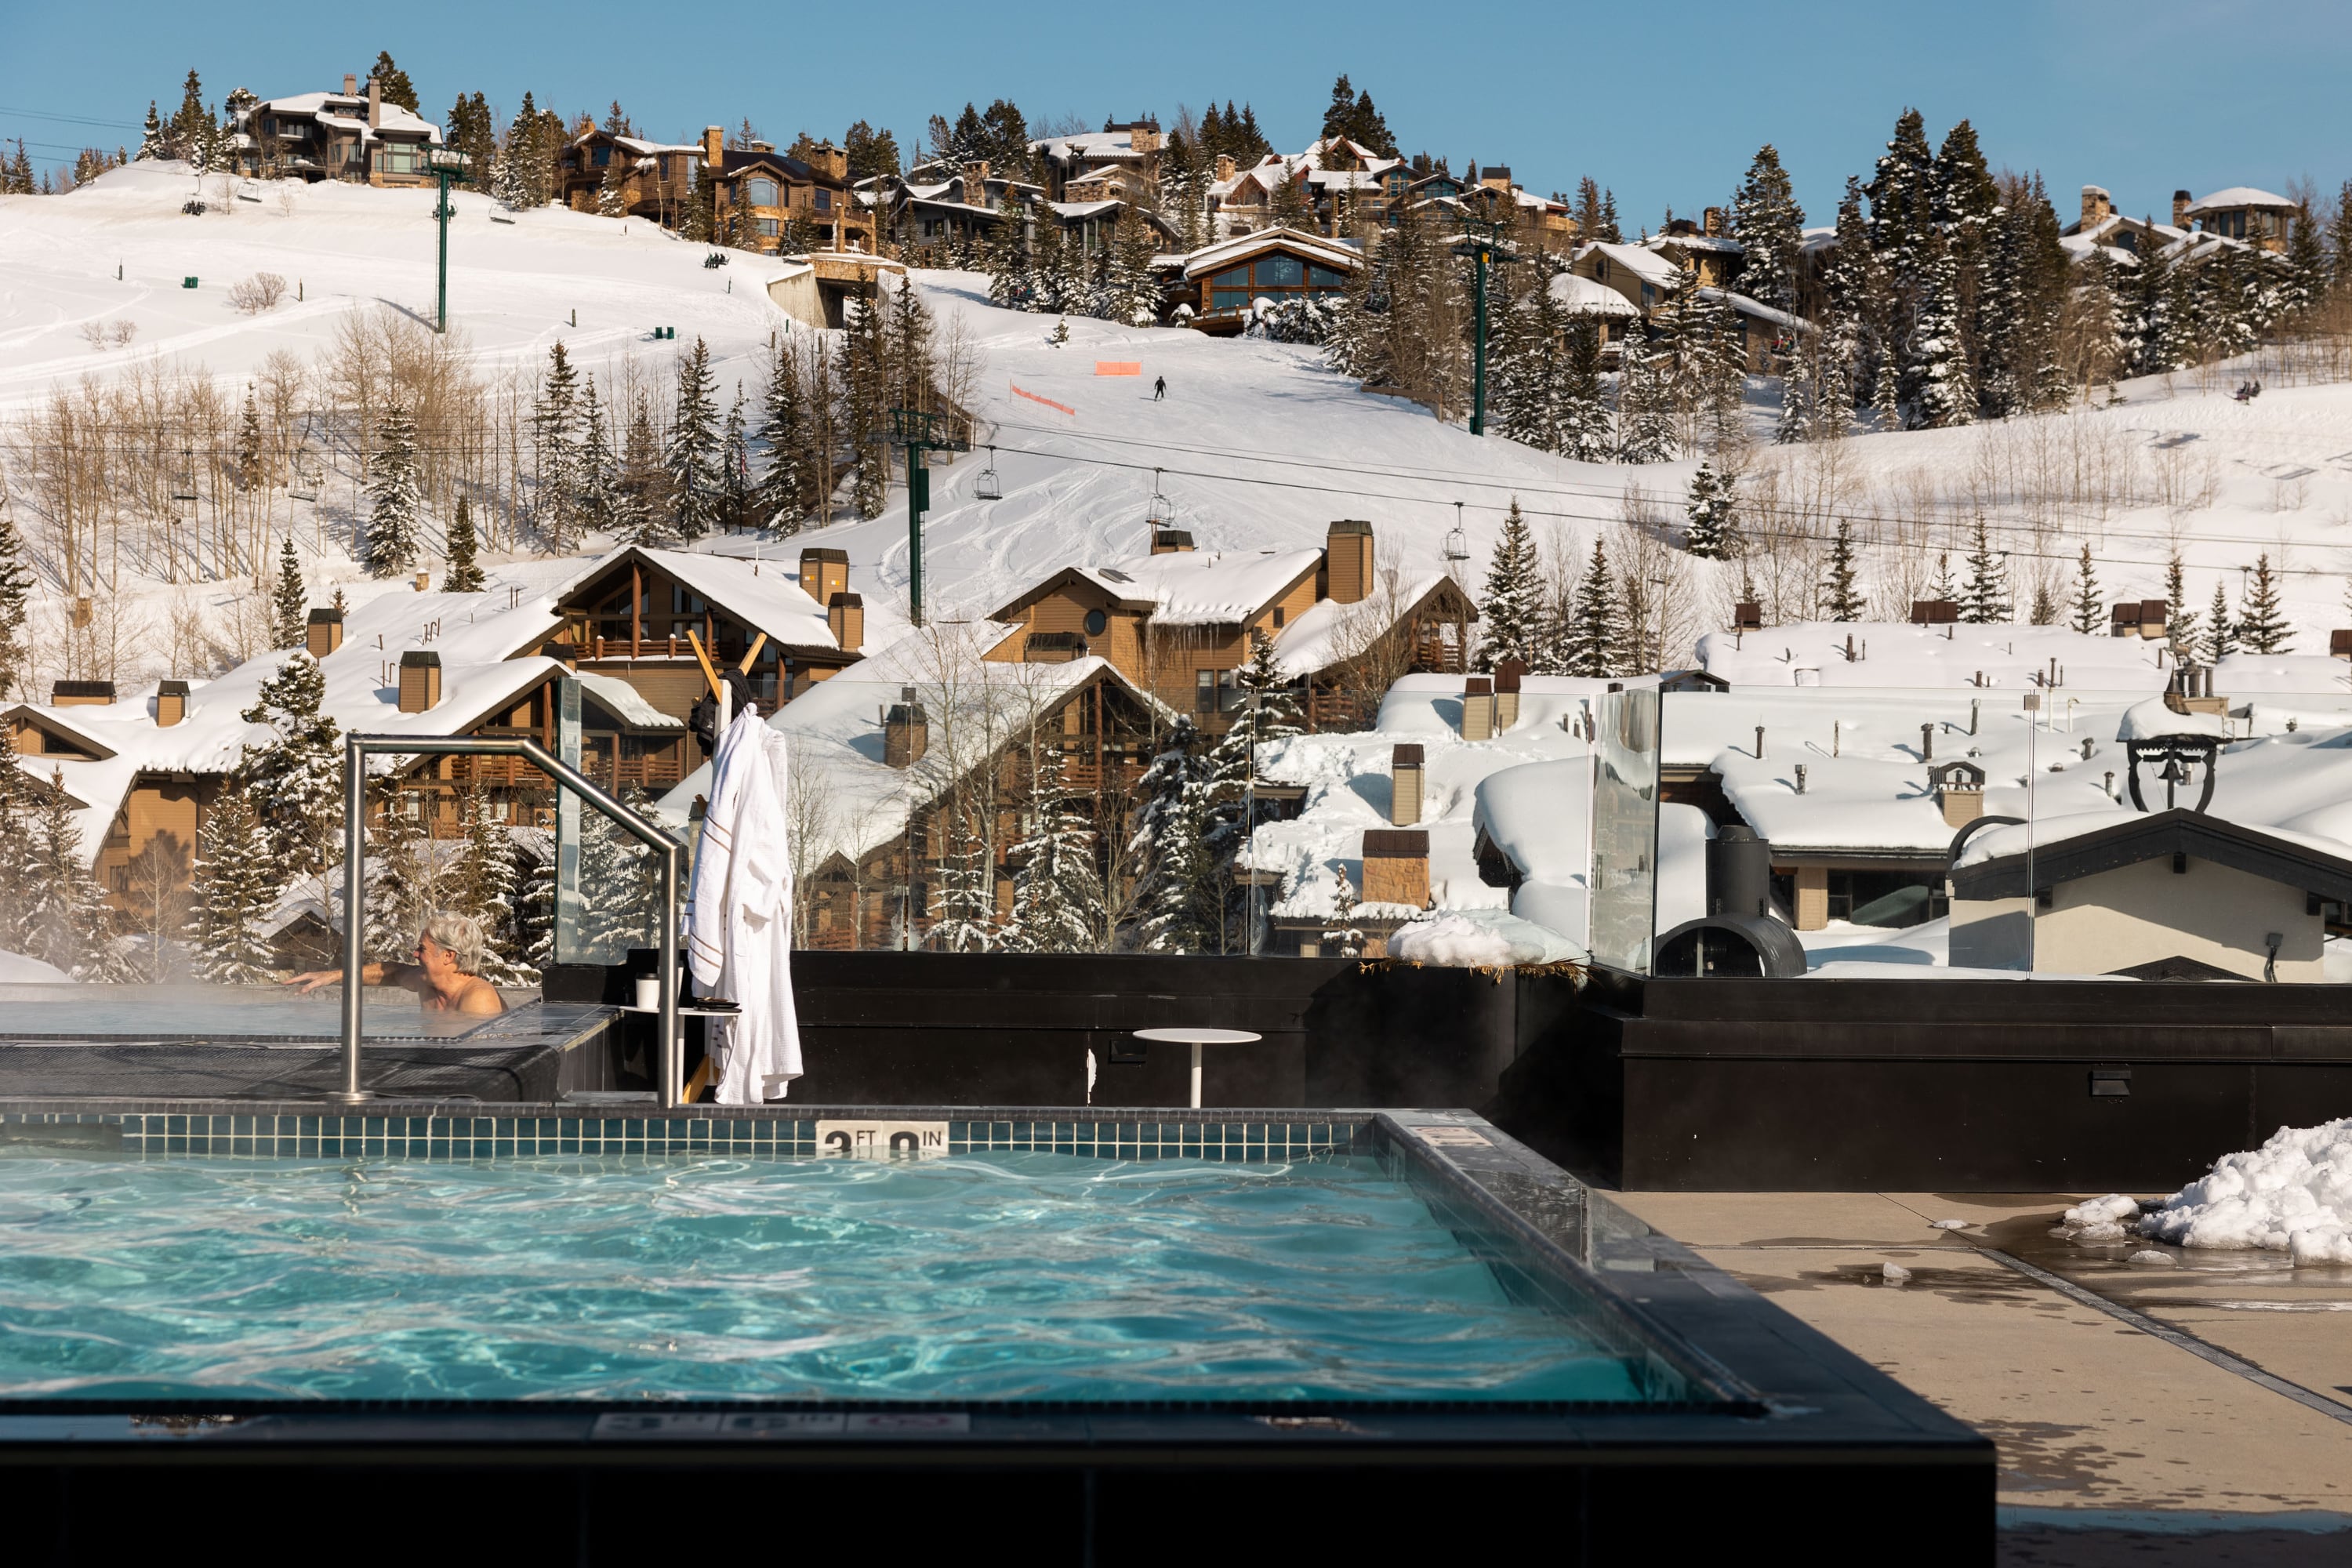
(1014, 1275)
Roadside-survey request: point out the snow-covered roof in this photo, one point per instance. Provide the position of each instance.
(1089, 145)
(349, 111)
(1086, 209)
(765, 595)
(1209, 587)
(1757, 308)
(639, 145)
(1646, 265)
(2146, 720)
(1715, 244)
(1894, 653)
(1328, 632)
(1241, 246)
(2237, 197)
(621, 701)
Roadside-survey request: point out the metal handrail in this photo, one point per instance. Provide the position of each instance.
(358, 748)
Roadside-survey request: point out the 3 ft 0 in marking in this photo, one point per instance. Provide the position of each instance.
(882, 1140)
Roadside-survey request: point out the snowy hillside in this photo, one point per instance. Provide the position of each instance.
(1258, 448)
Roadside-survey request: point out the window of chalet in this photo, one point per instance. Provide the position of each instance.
(601, 157)
(1214, 692)
(760, 193)
(770, 228)
(823, 200)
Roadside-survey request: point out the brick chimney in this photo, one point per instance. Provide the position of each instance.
(906, 732)
(2180, 200)
(350, 84)
(1396, 867)
(1405, 784)
(845, 615)
(324, 633)
(823, 574)
(1224, 167)
(375, 104)
(171, 703)
(1348, 562)
(1478, 709)
(2098, 205)
(714, 146)
(420, 681)
(1712, 223)
(1507, 693)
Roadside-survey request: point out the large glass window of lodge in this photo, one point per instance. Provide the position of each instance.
(760, 193)
(1279, 272)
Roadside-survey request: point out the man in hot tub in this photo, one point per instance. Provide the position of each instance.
(446, 975)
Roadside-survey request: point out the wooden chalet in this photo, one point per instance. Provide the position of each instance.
(759, 193)
(1277, 263)
(656, 178)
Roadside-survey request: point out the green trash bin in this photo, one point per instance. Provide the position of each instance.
(187, 282)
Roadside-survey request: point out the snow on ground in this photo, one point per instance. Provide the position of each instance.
(2292, 1194)
(15, 969)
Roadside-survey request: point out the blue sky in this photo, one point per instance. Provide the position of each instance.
(1663, 104)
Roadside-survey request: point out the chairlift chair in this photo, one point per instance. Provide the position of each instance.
(988, 486)
(1161, 513)
(304, 485)
(183, 484)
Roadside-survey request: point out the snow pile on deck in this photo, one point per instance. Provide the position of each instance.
(1466, 939)
(15, 969)
(2292, 1194)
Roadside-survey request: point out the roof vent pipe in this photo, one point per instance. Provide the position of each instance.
(1926, 743)
(1800, 778)
(1759, 742)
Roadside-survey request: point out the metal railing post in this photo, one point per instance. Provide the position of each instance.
(357, 749)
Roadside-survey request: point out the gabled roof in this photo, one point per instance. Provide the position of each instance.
(1318, 638)
(1646, 265)
(1326, 252)
(55, 722)
(634, 144)
(1187, 587)
(2239, 196)
(733, 162)
(1589, 296)
(349, 111)
(765, 595)
(1993, 866)
(1757, 308)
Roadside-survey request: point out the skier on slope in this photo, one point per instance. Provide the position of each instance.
(1158, 388)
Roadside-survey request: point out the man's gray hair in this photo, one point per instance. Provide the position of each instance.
(460, 936)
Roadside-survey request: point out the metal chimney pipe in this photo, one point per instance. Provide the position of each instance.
(1926, 743)
(1759, 742)
(1800, 778)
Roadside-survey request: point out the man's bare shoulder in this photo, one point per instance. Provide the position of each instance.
(480, 997)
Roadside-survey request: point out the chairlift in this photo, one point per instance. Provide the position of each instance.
(304, 485)
(184, 482)
(1457, 544)
(1161, 513)
(988, 486)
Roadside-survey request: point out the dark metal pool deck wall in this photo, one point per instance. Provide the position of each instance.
(1732, 1085)
(1777, 1435)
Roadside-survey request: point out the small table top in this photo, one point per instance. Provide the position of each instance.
(685, 1012)
(1188, 1036)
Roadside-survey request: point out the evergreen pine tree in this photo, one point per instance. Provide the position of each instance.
(611, 201)
(1941, 388)
(597, 500)
(642, 510)
(1129, 295)
(1506, 612)
(866, 374)
(1646, 420)
(1944, 589)
(1710, 527)
(693, 454)
(18, 888)
(1597, 636)
(480, 882)
(1177, 890)
(2221, 632)
(555, 436)
(294, 781)
(250, 470)
(1585, 433)
(781, 497)
(395, 512)
(1057, 889)
(2262, 626)
(153, 142)
(2180, 620)
(1844, 602)
(2044, 609)
(734, 466)
(403, 883)
(290, 606)
(71, 925)
(232, 897)
(1985, 600)
(2090, 613)
(191, 123)
(16, 590)
(1344, 938)
(463, 574)
(391, 83)
(1770, 228)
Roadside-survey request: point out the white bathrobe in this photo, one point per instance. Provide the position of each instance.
(739, 914)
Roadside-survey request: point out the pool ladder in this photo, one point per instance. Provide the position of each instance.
(357, 749)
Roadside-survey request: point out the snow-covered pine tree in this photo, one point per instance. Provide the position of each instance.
(1584, 430)
(2262, 625)
(694, 452)
(232, 896)
(1177, 890)
(480, 881)
(1344, 938)
(2221, 631)
(17, 887)
(2090, 611)
(1941, 389)
(1902, 234)
(15, 599)
(1129, 294)
(1770, 226)
(642, 510)
(734, 466)
(1841, 598)
(1007, 268)
(611, 202)
(2180, 620)
(70, 924)
(2044, 610)
(153, 143)
(596, 498)
(1710, 526)
(294, 782)
(290, 605)
(251, 468)
(1057, 889)
(1270, 709)
(1507, 610)
(865, 405)
(1061, 334)
(396, 503)
(1597, 637)
(966, 899)
(1985, 600)
(555, 436)
(1645, 417)
(464, 573)
(403, 884)
(781, 497)
(1944, 589)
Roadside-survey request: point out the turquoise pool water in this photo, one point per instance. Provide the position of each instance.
(1001, 1276)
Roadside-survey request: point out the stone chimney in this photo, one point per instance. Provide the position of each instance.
(2098, 205)
(375, 104)
(1348, 562)
(82, 693)
(823, 574)
(1396, 867)
(1478, 709)
(1170, 540)
(2180, 200)
(845, 615)
(1144, 138)
(714, 146)
(1712, 223)
(906, 732)
(828, 159)
(975, 173)
(424, 581)
(1224, 167)
(171, 703)
(420, 681)
(1497, 178)
(324, 633)
(1405, 784)
(351, 85)
(1507, 693)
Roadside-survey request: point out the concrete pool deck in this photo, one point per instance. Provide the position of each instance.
(2116, 1445)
